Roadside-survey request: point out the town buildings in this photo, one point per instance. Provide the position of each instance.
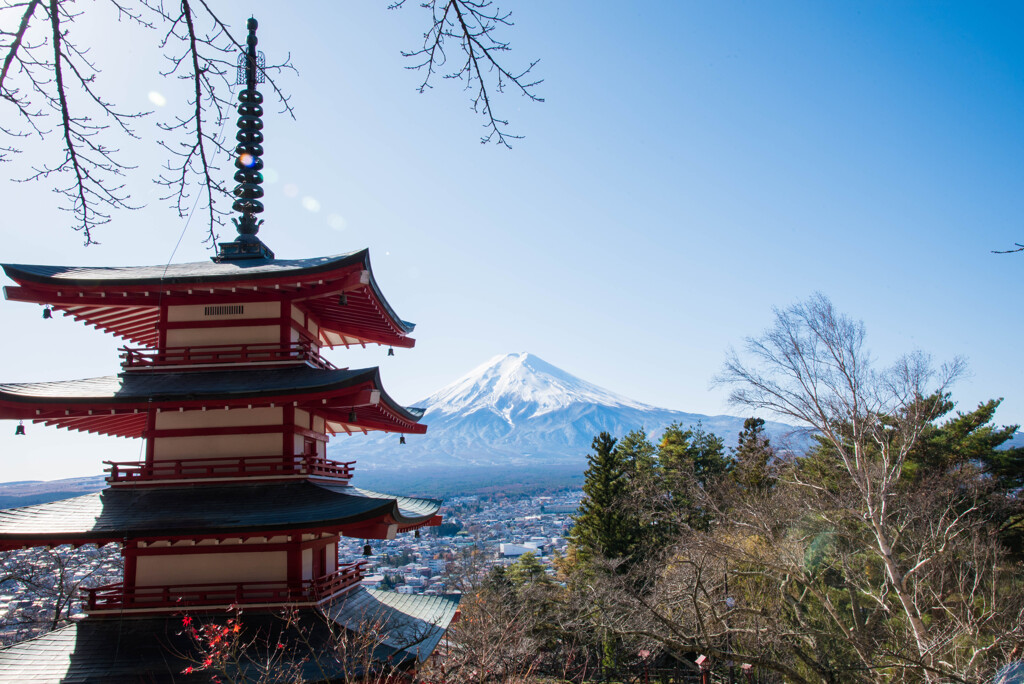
(447, 563)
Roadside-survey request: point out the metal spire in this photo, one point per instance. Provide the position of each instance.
(249, 151)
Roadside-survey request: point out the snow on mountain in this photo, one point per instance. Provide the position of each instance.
(522, 385)
(519, 410)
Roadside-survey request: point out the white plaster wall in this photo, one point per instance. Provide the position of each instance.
(307, 564)
(212, 567)
(194, 312)
(173, 420)
(170, 448)
(246, 334)
(302, 418)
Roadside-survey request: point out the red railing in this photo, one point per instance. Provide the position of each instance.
(222, 355)
(118, 597)
(228, 468)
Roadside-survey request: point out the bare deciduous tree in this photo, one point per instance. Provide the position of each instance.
(471, 25)
(812, 367)
(47, 75)
(47, 582)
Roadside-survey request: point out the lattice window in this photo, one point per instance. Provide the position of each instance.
(224, 310)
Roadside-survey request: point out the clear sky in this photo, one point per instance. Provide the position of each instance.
(694, 165)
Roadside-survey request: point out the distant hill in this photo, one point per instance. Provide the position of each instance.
(515, 424)
(518, 410)
(29, 492)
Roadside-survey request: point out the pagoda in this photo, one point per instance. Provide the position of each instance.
(235, 506)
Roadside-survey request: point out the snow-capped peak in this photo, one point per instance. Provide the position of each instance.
(520, 385)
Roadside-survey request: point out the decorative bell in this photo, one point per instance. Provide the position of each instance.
(343, 300)
(367, 551)
(19, 429)
(417, 535)
(47, 314)
(391, 351)
(401, 439)
(352, 416)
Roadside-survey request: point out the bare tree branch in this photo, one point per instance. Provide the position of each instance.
(471, 24)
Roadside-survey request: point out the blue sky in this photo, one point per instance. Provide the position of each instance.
(694, 165)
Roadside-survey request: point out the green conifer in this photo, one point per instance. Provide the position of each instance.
(602, 526)
(753, 456)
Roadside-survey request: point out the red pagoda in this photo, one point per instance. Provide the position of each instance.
(236, 505)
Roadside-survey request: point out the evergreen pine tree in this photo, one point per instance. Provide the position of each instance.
(970, 440)
(752, 457)
(526, 570)
(689, 460)
(639, 455)
(602, 526)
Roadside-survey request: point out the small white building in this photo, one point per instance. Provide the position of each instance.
(516, 550)
(372, 581)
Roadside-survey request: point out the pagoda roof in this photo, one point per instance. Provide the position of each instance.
(412, 624)
(125, 300)
(158, 649)
(220, 511)
(118, 404)
(195, 272)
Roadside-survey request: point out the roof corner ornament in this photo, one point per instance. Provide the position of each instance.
(249, 151)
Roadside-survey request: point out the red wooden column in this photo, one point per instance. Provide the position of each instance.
(294, 559)
(148, 435)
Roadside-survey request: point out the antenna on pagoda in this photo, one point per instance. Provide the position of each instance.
(249, 151)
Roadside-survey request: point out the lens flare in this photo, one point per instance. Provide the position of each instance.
(247, 160)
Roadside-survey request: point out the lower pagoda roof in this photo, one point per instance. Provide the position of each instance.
(400, 630)
(118, 404)
(213, 511)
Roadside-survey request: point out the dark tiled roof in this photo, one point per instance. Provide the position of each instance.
(412, 624)
(234, 384)
(131, 387)
(141, 511)
(156, 650)
(183, 273)
(199, 272)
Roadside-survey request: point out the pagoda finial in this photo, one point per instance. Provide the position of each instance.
(249, 151)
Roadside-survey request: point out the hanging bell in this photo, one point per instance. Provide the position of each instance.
(417, 534)
(367, 551)
(401, 439)
(47, 313)
(19, 429)
(352, 416)
(391, 351)
(342, 300)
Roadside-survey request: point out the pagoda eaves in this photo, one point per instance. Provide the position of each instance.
(224, 512)
(122, 405)
(339, 294)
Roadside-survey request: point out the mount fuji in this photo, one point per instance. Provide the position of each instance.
(519, 410)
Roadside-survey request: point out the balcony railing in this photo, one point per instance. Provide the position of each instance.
(228, 468)
(223, 355)
(118, 597)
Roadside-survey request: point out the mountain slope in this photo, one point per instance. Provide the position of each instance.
(520, 410)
